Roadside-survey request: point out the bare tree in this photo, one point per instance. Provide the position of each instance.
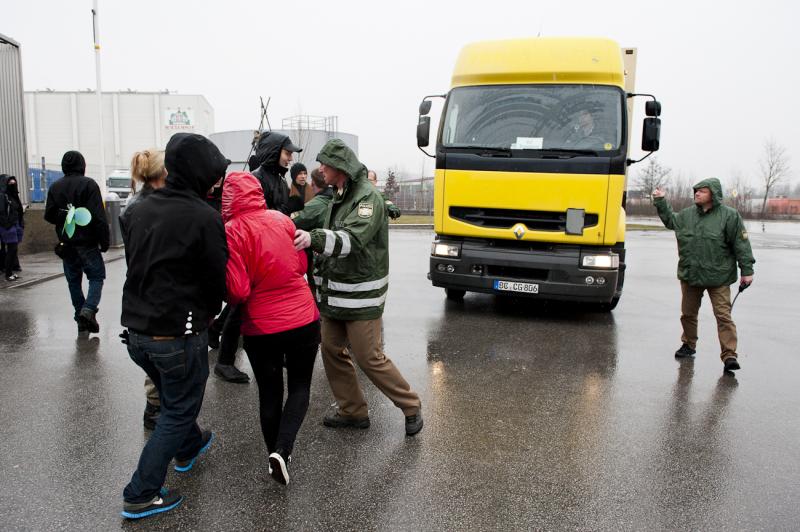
(681, 193)
(653, 176)
(774, 168)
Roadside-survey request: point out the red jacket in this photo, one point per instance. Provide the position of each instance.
(265, 272)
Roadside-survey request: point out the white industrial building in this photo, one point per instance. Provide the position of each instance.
(57, 121)
(307, 132)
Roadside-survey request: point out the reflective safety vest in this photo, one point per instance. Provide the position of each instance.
(351, 272)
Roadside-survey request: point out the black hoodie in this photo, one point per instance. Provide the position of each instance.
(10, 204)
(270, 173)
(175, 245)
(79, 191)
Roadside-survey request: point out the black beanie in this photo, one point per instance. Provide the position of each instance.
(296, 169)
(73, 163)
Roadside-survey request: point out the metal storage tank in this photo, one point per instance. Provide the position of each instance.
(307, 132)
(13, 152)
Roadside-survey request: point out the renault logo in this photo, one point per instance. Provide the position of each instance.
(519, 231)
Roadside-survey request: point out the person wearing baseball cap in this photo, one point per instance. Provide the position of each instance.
(274, 153)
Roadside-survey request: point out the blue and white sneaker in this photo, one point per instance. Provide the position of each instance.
(183, 466)
(165, 501)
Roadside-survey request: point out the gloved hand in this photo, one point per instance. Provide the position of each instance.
(125, 337)
(392, 210)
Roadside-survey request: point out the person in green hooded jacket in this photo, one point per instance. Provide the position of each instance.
(712, 240)
(351, 276)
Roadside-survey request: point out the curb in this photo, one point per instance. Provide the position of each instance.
(52, 276)
(410, 226)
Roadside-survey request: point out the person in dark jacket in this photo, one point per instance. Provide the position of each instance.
(280, 321)
(274, 153)
(81, 253)
(12, 224)
(147, 174)
(300, 187)
(712, 240)
(176, 254)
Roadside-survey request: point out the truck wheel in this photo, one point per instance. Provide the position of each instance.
(454, 294)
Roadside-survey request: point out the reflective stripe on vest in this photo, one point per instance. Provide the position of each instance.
(359, 287)
(356, 303)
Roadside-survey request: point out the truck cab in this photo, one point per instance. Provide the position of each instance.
(531, 164)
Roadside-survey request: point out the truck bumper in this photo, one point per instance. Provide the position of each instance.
(556, 271)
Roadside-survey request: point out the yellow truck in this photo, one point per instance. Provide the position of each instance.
(531, 164)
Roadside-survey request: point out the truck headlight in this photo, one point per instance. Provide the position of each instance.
(438, 249)
(605, 262)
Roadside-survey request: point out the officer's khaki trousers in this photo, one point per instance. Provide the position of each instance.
(720, 297)
(366, 349)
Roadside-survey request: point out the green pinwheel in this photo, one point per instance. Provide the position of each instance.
(80, 216)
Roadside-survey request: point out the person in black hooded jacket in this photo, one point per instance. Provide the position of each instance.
(274, 153)
(177, 255)
(12, 225)
(82, 252)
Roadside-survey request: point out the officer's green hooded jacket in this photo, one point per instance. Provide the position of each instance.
(710, 243)
(351, 272)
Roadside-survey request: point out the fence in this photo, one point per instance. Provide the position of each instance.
(415, 196)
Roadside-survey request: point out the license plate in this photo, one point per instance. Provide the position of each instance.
(510, 286)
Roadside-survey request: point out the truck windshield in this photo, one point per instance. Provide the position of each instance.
(565, 118)
(119, 182)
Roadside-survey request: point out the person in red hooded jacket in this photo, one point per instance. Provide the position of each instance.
(280, 320)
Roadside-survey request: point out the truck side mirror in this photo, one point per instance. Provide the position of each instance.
(652, 108)
(424, 130)
(651, 133)
(424, 107)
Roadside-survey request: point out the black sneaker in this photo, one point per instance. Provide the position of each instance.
(183, 466)
(165, 501)
(685, 352)
(731, 364)
(89, 320)
(414, 423)
(338, 421)
(151, 414)
(278, 466)
(230, 373)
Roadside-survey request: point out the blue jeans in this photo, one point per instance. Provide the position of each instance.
(90, 262)
(179, 369)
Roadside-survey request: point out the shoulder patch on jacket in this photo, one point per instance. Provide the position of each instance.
(365, 209)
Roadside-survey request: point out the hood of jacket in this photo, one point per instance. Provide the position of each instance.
(713, 184)
(242, 193)
(268, 150)
(193, 163)
(337, 154)
(73, 163)
(4, 179)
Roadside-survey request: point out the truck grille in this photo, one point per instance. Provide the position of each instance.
(508, 218)
(516, 273)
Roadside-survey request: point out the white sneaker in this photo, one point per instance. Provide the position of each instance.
(278, 469)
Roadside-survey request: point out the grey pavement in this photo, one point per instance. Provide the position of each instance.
(537, 416)
(40, 267)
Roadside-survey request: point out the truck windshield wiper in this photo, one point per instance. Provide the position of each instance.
(487, 151)
(565, 152)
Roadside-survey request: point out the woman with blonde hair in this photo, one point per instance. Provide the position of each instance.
(147, 174)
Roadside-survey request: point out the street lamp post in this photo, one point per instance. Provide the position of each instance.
(101, 179)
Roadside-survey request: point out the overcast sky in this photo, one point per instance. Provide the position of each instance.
(727, 76)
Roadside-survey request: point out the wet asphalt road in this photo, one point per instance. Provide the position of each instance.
(536, 416)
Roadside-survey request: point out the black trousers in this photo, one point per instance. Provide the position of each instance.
(229, 342)
(11, 260)
(281, 421)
